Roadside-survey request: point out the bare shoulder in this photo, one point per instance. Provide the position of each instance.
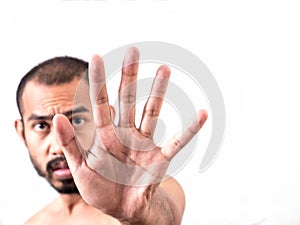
(40, 216)
(174, 192)
(83, 214)
(34, 220)
(172, 187)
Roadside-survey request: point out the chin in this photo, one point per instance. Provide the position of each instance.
(65, 187)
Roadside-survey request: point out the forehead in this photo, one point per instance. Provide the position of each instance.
(43, 99)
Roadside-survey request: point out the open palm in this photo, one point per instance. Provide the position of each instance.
(124, 167)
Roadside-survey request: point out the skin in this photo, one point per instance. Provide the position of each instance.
(59, 133)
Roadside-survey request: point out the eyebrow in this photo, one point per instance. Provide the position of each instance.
(50, 117)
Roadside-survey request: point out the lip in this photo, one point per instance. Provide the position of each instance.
(62, 174)
(60, 170)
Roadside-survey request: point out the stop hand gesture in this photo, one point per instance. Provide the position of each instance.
(121, 173)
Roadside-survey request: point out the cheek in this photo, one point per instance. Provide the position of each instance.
(85, 136)
(37, 151)
(41, 169)
(36, 142)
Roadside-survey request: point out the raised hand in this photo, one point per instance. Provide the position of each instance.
(123, 168)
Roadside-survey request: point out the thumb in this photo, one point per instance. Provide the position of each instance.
(65, 137)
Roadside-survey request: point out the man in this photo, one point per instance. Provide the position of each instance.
(67, 125)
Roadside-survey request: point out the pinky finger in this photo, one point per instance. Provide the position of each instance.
(181, 139)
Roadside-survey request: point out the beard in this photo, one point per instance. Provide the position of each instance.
(66, 186)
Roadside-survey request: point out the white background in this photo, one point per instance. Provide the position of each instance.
(251, 47)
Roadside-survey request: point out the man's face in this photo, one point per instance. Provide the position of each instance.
(39, 104)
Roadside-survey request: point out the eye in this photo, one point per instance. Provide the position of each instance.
(42, 126)
(77, 121)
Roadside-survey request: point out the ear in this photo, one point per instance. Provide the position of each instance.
(19, 126)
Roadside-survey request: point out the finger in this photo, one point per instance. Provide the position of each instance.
(112, 112)
(65, 137)
(154, 102)
(98, 93)
(127, 90)
(180, 140)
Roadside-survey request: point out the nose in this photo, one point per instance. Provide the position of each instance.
(54, 148)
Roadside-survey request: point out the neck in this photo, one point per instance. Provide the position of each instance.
(70, 202)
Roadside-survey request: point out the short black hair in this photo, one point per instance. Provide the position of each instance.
(54, 71)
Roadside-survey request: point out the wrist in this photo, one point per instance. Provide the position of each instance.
(135, 205)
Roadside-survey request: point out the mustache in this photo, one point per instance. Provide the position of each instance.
(54, 163)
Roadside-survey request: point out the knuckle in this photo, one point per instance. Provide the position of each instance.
(101, 100)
